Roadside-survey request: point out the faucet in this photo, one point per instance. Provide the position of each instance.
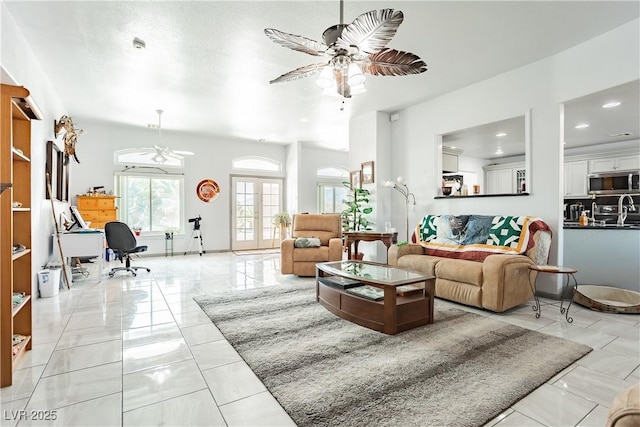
(622, 210)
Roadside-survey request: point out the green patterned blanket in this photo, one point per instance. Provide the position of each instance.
(474, 237)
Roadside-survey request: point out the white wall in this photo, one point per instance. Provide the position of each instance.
(17, 58)
(370, 140)
(212, 160)
(293, 165)
(311, 160)
(608, 60)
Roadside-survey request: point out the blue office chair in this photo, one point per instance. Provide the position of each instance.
(121, 240)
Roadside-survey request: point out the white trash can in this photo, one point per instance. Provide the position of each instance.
(49, 283)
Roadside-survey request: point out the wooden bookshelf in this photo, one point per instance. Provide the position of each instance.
(16, 112)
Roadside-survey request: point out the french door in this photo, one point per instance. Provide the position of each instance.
(254, 203)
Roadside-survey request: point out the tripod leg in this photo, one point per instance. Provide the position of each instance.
(190, 242)
(201, 244)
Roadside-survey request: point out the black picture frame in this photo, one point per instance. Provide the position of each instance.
(57, 172)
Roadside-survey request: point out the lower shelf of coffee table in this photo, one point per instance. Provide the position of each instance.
(410, 311)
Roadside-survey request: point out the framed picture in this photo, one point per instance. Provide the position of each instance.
(367, 172)
(58, 173)
(355, 178)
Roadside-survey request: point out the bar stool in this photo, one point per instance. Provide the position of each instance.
(554, 269)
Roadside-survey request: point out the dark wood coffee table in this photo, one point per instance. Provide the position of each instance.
(394, 313)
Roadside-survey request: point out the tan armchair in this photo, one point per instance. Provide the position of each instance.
(302, 261)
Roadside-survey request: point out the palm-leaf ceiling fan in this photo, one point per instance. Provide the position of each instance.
(352, 49)
(162, 154)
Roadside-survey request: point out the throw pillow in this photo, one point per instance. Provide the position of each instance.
(307, 242)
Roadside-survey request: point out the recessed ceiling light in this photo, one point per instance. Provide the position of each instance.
(304, 120)
(621, 134)
(582, 126)
(611, 104)
(501, 134)
(139, 43)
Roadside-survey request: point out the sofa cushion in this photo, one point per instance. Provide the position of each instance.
(460, 270)
(474, 237)
(425, 264)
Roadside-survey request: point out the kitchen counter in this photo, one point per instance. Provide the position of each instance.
(608, 226)
(602, 257)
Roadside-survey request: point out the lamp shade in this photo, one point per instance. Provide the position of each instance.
(389, 184)
(356, 78)
(325, 79)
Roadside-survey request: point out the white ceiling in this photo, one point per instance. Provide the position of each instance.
(207, 64)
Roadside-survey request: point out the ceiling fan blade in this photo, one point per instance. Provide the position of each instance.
(391, 62)
(297, 43)
(183, 153)
(299, 73)
(371, 31)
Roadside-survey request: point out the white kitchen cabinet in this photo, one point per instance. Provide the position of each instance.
(504, 179)
(449, 163)
(608, 164)
(500, 181)
(575, 178)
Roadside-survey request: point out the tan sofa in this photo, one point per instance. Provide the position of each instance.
(497, 283)
(302, 261)
(625, 409)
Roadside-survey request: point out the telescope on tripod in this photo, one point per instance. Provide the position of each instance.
(196, 234)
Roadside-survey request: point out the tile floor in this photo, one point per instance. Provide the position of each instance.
(139, 351)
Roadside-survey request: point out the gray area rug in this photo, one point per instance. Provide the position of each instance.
(463, 370)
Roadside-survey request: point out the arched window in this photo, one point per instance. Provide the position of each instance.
(331, 190)
(256, 163)
(333, 172)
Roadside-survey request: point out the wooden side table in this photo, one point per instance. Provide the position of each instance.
(356, 237)
(554, 269)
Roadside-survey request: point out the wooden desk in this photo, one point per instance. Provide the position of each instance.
(356, 237)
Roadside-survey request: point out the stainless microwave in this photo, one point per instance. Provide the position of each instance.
(618, 182)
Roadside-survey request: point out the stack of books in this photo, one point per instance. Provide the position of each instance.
(339, 282)
(368, 292)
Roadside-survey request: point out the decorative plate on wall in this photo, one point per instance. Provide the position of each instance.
(207, 190)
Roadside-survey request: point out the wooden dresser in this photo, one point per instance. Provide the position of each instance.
(98, 209)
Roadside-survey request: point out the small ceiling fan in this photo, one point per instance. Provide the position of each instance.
(352, 49)
(162, 154)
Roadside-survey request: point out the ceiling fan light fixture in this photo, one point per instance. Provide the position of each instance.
(325, 79)
(331, 90)
(356, 78)
(159, 158)
(353, 50)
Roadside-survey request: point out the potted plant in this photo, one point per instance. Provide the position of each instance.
(136, 230)
(354, 216)
(282, 220)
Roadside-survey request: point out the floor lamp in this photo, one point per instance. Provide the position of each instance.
(404, 190)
